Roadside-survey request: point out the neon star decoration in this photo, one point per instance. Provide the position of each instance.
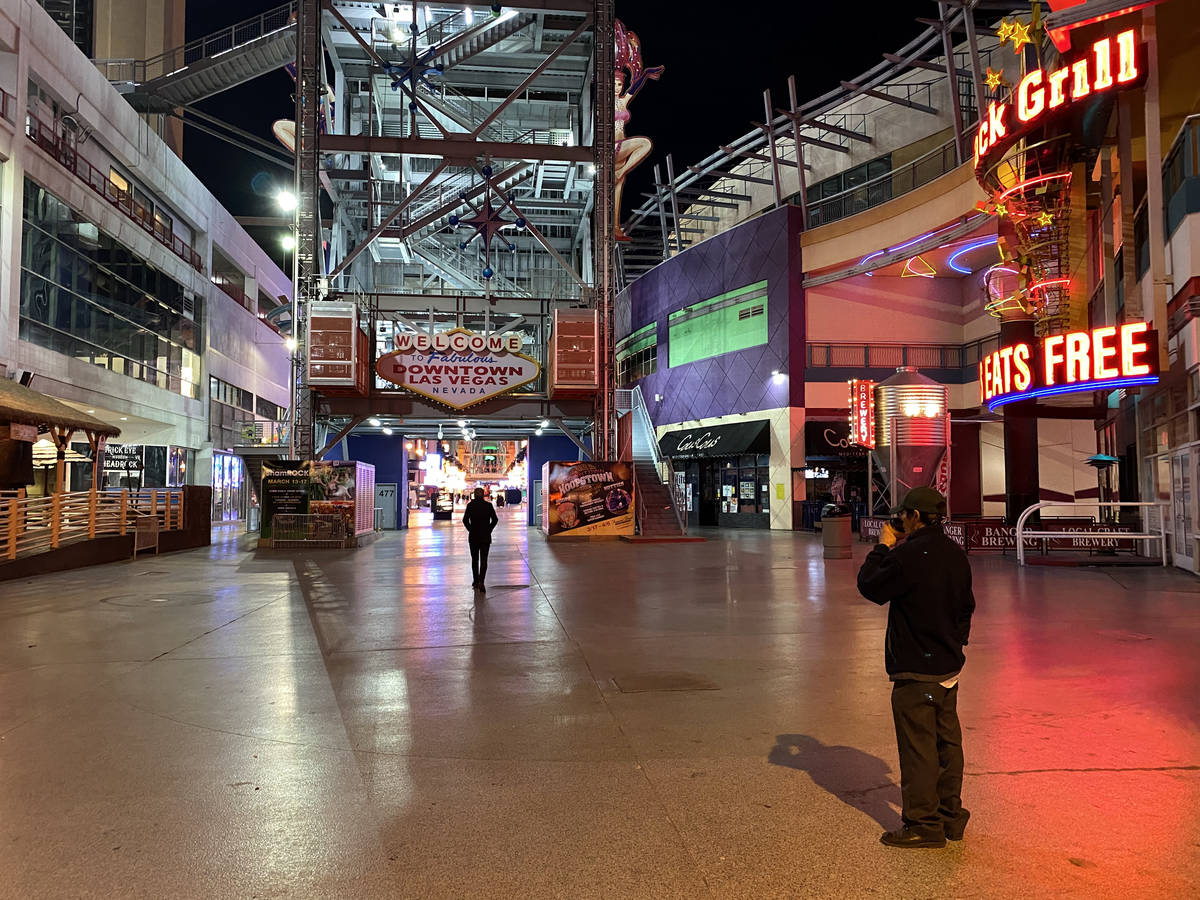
(487, 222)
(1020, 36)
(994, 79)
(1004, 30)
(1045, 219)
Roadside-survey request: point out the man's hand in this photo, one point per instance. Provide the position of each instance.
(888, 536)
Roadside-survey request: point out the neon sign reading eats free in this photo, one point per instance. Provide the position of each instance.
(1097, 360)
(1112, 63)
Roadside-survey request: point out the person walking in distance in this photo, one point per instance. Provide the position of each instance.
(925, 579)
(480, 520)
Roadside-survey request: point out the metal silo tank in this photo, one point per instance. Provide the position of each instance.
(918, 454)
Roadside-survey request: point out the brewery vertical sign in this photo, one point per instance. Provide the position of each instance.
(862, 413)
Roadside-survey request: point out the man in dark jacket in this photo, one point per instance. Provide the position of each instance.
(480, 519)
(925, 578)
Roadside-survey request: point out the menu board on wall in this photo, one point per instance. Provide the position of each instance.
(588, 498)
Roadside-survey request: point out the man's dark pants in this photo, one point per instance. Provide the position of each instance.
(929, 739)
(479, 555)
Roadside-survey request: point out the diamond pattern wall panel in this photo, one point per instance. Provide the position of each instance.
(732, 383)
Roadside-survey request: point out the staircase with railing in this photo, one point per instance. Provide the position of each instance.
(452, 264)
(659, 500)
(207, 65)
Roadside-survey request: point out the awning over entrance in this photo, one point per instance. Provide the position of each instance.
(717, 440)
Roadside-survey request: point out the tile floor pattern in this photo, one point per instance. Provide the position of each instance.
(697, 720)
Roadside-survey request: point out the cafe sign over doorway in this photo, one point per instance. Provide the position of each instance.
(458, 368)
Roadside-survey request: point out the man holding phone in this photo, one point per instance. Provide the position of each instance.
(925, 579)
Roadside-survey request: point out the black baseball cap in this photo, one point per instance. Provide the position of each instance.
(922, 499)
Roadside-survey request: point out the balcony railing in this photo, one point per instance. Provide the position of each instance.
(880, 190)
(964, 357)
(229, 287)
(53, 141)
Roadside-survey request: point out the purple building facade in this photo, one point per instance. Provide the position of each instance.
(734, 380)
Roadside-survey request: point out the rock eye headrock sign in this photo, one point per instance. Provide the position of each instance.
(458, 368)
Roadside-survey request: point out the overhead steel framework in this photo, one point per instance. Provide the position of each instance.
(671, 217)
(452, 166)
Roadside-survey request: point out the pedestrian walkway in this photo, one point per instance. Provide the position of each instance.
(654, 721)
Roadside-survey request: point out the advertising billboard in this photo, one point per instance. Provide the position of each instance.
(582, 499)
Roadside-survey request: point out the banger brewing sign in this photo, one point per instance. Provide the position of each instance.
(458, 368)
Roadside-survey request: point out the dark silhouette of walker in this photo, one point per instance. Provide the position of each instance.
(856, 778)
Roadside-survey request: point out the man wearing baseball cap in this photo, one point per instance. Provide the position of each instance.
(925, 579)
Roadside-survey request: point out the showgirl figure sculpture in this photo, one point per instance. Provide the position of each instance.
(629, 79)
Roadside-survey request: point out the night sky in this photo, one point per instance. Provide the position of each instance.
(718, 62)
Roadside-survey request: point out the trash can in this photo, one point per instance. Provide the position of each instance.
(835, 530)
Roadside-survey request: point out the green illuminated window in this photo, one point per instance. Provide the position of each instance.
(637, 355)
(736, 320)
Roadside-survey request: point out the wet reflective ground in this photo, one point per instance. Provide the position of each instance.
(612, 721)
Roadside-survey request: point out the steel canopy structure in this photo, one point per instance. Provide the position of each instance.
(453, 167)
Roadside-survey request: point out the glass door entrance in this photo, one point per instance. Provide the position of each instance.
(1181, 509)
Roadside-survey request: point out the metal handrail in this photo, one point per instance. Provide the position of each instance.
(946, 152)
(51, 139)
(224, 40)
(662, 464)
(1123, 535)
(878, 354)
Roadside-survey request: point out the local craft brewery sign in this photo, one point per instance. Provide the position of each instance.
(458, 368)
(1097, 360)
(1113, 63)
(862, 413)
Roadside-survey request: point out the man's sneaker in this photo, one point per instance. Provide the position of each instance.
(955, 829)
(908, 837)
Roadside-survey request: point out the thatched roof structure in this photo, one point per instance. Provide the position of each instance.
(28, 407)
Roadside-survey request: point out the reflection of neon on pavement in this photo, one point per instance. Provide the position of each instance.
(952, 262)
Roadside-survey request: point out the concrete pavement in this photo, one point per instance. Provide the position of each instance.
(686, 720)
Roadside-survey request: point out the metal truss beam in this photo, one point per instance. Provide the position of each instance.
(880, 95)
(387, 220)
(457, 149)
(736, 176)
(403, 405)
(923, 64)
(446, 208)
(533, 76)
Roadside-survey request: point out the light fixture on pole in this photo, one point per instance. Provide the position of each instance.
(286, 200)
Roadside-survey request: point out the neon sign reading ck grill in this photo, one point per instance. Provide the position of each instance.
(1112, 63)
(1097, 360)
